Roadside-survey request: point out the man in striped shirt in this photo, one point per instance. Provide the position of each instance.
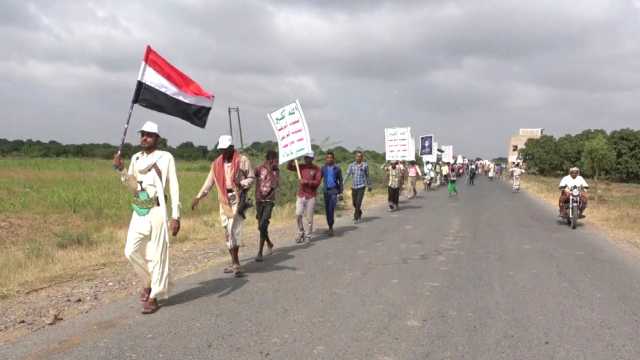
(359, 171)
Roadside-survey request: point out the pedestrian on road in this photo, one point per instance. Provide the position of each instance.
(413, 171)
(333, 185)
(150, 172)
(310, 178)
(472, 174)
(232, 175)
(393, 184)
(445, 172)
(359, 170)
(267, 181)
(452, 188)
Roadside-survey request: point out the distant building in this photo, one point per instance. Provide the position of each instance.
(517, 142)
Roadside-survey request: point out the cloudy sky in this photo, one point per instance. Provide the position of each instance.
(470, 72)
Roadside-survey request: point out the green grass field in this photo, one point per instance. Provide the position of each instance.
(60, 216)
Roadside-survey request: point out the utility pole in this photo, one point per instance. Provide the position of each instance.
(236, 110)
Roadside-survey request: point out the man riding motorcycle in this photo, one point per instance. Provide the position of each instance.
(566, 184)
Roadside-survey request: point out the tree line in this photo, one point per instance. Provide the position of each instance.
(614, 155)
(185, 151)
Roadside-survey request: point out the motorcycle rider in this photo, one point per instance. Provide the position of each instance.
(516, 172)
(568, 182)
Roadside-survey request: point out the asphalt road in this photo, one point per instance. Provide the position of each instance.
(484, 275)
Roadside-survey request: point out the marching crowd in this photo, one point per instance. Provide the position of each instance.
(152, 171)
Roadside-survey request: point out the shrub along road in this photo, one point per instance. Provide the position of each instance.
(485, 275)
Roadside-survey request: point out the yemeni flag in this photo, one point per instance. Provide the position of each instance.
(164, 88)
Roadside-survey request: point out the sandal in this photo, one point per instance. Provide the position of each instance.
(144, 295)
(150, 307)
(228, 270)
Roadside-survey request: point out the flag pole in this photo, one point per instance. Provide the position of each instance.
(126, 127)
(135, 96)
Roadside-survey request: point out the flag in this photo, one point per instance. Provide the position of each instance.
(164, 88)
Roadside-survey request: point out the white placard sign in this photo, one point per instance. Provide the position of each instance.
(399, 144)
(291, 131)
(447, 155)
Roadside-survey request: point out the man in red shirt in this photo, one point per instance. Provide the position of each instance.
(310, 179)
(267, 178)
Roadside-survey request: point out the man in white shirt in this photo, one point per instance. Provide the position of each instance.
(566, 184)
(150, 172)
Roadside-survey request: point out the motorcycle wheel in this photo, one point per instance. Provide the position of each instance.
(574, 217)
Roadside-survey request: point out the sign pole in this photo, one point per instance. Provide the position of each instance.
(298, 169)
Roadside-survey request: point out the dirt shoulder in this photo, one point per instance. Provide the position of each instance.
(82, 292)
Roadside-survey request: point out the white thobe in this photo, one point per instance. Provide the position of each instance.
(147, 246)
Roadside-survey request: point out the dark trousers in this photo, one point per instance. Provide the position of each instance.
(263, 215)
(357, 195)
(394, 195)
(330, 203)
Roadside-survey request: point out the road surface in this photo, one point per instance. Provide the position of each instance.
(485, 275)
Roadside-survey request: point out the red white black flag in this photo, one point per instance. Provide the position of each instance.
(164, 88)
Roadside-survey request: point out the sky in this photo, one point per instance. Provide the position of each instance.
(470, 72)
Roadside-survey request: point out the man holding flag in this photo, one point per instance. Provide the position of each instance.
(147, 246)
(163, 88)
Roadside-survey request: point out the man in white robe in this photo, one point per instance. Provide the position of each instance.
(150, 173)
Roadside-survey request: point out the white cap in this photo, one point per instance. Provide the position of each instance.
(225, 141)
(310, 154)
(150, 127)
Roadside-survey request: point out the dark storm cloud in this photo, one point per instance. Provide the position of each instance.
(471, 72)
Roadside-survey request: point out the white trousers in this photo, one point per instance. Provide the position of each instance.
(147, 249)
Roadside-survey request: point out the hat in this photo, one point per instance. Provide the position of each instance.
(310, 154)
(224, 142)
(574, 169)
(150, 127)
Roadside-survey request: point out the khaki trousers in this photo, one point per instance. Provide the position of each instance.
(232, 224)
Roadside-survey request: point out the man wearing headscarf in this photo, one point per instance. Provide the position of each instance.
(232, 175)
(566, 184)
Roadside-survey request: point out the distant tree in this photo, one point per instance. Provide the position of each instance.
(542, 156)
(597, 157)
(626, 145)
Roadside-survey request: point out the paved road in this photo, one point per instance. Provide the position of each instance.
(486, 275)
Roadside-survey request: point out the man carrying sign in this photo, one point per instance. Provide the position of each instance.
(310, 179)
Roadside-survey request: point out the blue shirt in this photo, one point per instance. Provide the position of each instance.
(329, 176)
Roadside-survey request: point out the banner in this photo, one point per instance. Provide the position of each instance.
(399, 144)
(434, 153)
(426, 145)
(291, 131)
(447, 156)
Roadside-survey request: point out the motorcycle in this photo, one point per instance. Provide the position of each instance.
(572, 212)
